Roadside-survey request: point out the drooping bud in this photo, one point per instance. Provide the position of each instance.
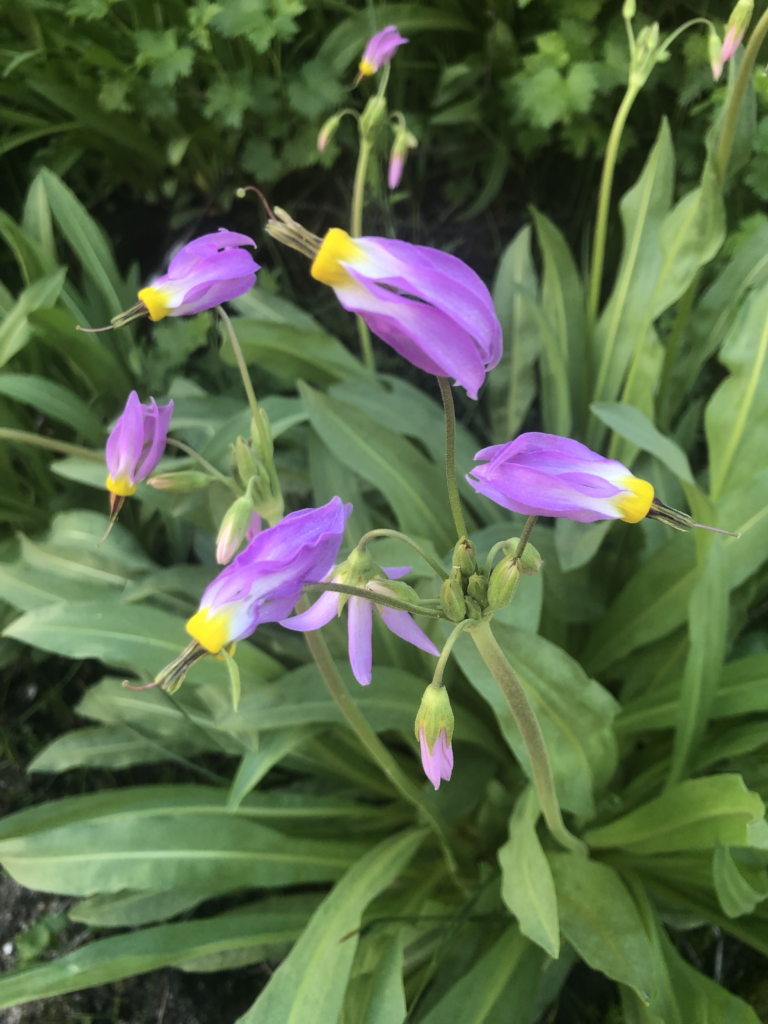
(465, 557)
(714, 48)
(452, 597)
(404, 140)
(234, 527)
(328, 131)
(183, 482)
(530, 560)
(504, 581)
(434, 731)
(741, 15)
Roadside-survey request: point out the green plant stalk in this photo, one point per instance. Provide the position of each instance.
(374, 596)
(356, 230)
(406, 540)
(450, 457)
(371, 742)
(604, 202)
(728, 134)
(437, 678)
(530, 730)
(205, 464)
(525, 536)
(51, 444)
(255, 411)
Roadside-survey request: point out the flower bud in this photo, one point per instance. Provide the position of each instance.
(183, 482)
(504, 581)
(477, 589)
(465, 557)
(234, 527)
(328, 131)
(246, 463)
(452, 598)
(373, 117)
(629, 10)
(435, 715)
(256, 437)
(530, 561)
(714, 48)
(394, 588)
(741, 15)
(404, 140)
(474, 610)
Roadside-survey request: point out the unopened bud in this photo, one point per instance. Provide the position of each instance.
(183, 482)
(629, 10)
(233, 529)
(474, 610)
(477, 589)
(404, 140)
(452, 599)
(256, 441)
(504, 581)
(373, 117)
(465, 557)
(741, 15)
(394, 588)
(328, 131)
(434, 715)
(714, 48)
(246, 463)
(530, 560)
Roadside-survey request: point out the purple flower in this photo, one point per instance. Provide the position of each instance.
(210, 270)
(731, 43)
(437, 762)
(379, 50)
(738, 22)
(545, 475)
(136, 444)
(429, 306)
(264, 582)
(360, 621)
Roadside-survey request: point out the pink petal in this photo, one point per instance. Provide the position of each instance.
(320, 614)
(437, 765)
(402, 625)
(360, 627)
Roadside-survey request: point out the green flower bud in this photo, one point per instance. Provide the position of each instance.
(256, 437)
(434, 715)
(328, 131)
(246, 463)
(477, 589)
(465, 557)
(452, 599)
(394, 588)
(373, 117)
(473, 608)
(183, 482)
(629, 10)
(504, 581)
(531, 561)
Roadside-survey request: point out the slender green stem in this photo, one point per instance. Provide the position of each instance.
(450, 457)
(51, 443)
(491, 555)
(406, 540)
(378, 752)
(530, 730)
(670, 353)
(437, 678)
(356, 228)
(206, 465)
(266, 446)
(725, 145)
(375, 596)
(604, 200)
(525, 536)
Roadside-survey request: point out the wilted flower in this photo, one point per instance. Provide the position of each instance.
(741, 15)
(379, 50)
(428, 305)
(135, 447)
(404, 140)
(264, 582)
(208, 271)
(360, 621)
(434, 731)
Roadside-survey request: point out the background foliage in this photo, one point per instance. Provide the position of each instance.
(644, 651)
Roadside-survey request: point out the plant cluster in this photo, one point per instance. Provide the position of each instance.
(593, 732)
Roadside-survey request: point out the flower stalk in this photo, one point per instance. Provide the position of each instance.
(450, 457)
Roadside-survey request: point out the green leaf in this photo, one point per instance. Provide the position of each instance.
(512, 383)
(166, 59)
(736, 417)
(653, 603)
(527, 887)
(53, 400)
(575, 712)
(578, 543)
(27, 588)
(85, 353)
(122, 956)
(693, 815)
(643, 209)
(601, 921)
(88, 241)
(408, 481)
(505, 978)
(107, 746)
(130, 908)
(634, 426)
(171, 851)
(15, 330)
(387, 1004)
(739, 887)
(562, 301)
(707, 629)
(256, 763)
(310, 983)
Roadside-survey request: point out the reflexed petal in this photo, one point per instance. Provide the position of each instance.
(125, 443)
(320, 614)
(402, 625)
(396, 572)
(360, 628)
(191, 254)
